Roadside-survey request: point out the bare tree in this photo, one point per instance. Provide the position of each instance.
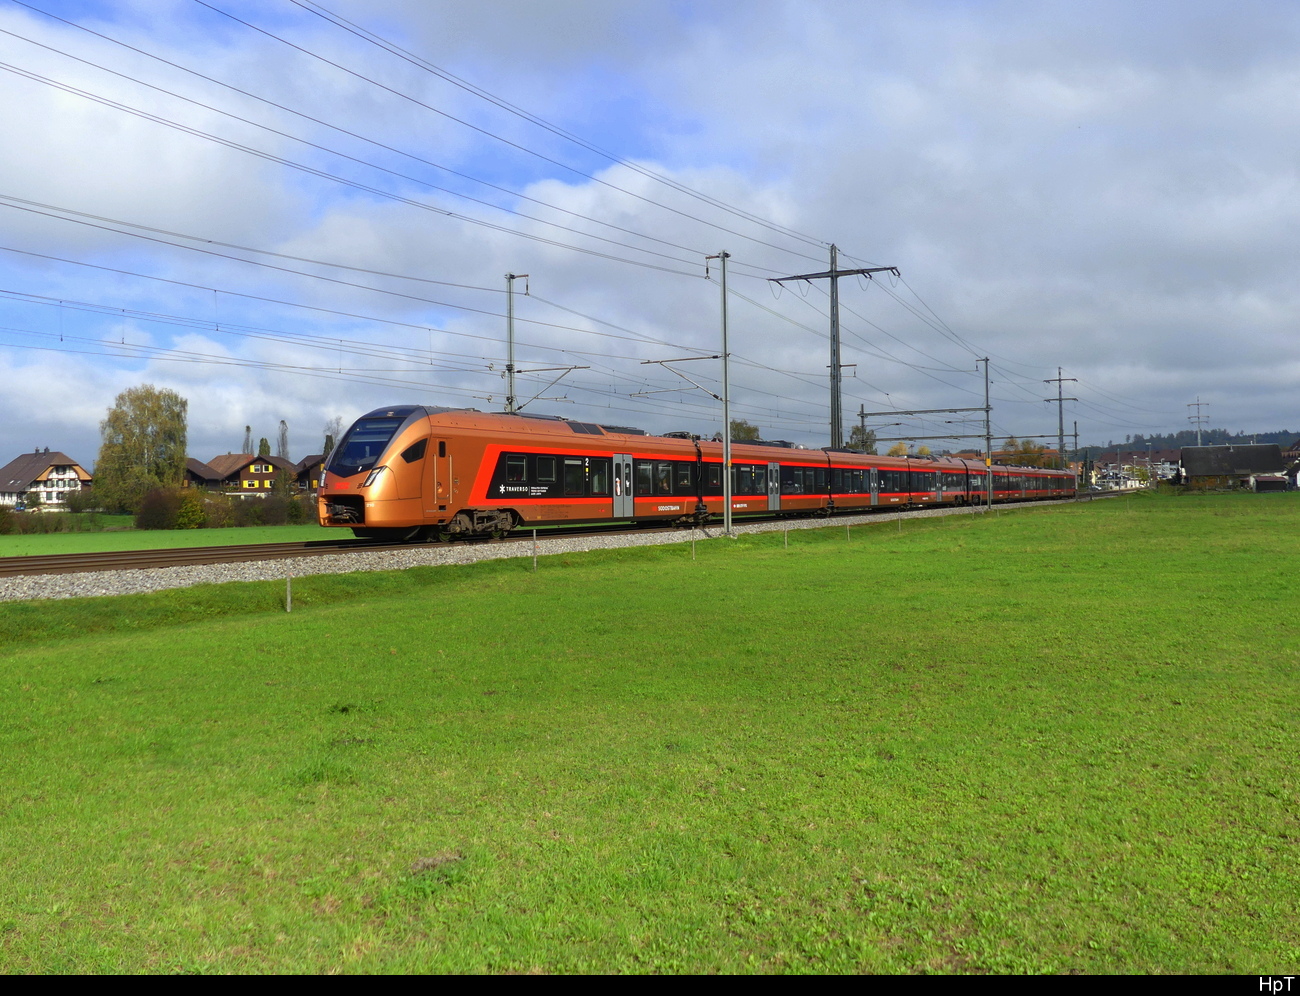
(333, 430)
(282, 441)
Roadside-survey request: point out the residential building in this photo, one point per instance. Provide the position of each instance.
(50, 474)
(199, 475)
(1133, 468)
(309, 472)
(247, 474)
(1233, 466)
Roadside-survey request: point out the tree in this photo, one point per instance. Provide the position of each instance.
(263, 447)
(864, 440)
(248, 439)
(741, 432)
(898, 449)
(744, 432)
(142, 446)
(1031, 454)
(282, 441)
(923, 451)
(333, 430)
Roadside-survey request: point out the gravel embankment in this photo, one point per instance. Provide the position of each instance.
(96, 583)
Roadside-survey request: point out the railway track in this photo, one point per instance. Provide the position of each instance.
(137, 560)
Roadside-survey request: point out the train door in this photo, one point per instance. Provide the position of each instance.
(875, 486)
(773, 486)
(440, 470)
(623, 507)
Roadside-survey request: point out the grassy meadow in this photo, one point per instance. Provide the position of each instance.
(120, 538)
(1053, 740)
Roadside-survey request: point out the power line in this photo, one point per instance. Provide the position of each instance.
(489, 134)
(351, 134)
(428, 66)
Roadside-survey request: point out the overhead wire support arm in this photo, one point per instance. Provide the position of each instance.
(564, 372)
(834, 274)
(682, 359)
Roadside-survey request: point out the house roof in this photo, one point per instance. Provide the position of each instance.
(201, 470)
(1218, 461)
(310, 461)
(229, 464)
(22, 472)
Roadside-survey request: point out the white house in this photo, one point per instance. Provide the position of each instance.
(52, 475)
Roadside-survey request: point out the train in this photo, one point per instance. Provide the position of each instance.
(416, 472)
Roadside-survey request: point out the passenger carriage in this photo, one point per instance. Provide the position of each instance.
(419, 472)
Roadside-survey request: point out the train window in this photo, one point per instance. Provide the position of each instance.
(645, 478)
(416, 452)
(574, 477)
(683, 478)
(545, 470)
(364, 443)
(516, 468)
(599, 479)
(663, 478)
(747, 479)
(715, 477)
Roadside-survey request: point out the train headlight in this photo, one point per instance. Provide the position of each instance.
(373, 476)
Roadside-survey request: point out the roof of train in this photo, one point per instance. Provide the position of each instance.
(472, 418)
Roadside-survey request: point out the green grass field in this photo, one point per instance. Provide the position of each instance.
(40, 544)
(1053, 740)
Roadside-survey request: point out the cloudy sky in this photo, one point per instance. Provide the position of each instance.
(284, 210)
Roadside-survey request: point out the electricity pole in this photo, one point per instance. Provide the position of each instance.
(834, 274)
(988, 439)
(726, 402)
(1058, 380)
(1198, 418)
(510, 337)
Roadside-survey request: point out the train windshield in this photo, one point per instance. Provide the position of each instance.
(363, 445)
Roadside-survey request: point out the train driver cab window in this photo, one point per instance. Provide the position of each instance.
(545, 470)
(516, 468)
(416, 452)
(574, 474)
(363, 445)
(599, 477)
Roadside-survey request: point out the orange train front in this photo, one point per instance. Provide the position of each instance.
(414, 472)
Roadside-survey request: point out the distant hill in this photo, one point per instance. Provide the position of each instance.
(1177, 440)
